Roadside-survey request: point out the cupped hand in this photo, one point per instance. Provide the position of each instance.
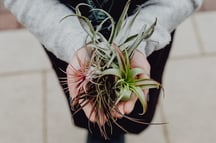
(82, 57)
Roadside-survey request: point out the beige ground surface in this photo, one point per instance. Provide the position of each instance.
(33, 108)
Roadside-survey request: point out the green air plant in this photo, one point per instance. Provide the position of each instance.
(108, 78)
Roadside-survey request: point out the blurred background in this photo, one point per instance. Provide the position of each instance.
(33, 108)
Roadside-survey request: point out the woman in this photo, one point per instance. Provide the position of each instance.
(62, 41)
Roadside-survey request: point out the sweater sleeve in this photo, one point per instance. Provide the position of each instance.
(42, 18)
(169, 14)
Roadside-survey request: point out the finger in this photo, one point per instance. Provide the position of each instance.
(89, 112)
(139, 61)
(101, 118)
(129, 105)
(120, 111)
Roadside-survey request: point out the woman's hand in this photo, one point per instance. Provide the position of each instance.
(81, 57)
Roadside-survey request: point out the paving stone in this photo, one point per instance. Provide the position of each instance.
(153, 134)
(189, 84)
(1, 5)
(209, 5)
(206, 22)
(20, 51)
(8, 21)
(21, 109)
(190, 100)
(185, 41)
(60, 125)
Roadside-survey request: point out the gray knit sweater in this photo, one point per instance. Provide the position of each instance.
(42, 17)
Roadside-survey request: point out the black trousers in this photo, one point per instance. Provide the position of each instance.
(157, 61)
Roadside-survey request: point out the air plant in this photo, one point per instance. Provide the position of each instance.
(108, 77)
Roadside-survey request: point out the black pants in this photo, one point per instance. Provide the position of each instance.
(157, 61)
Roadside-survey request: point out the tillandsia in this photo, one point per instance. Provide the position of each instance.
(107, 78)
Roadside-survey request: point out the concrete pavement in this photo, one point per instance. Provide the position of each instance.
(33, 108)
